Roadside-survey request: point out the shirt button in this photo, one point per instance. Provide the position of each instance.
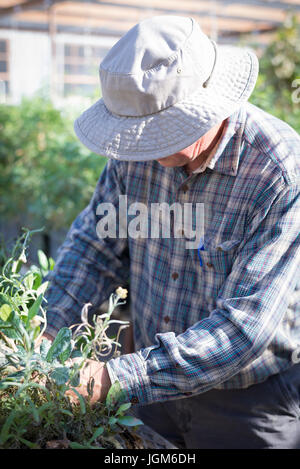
(209, 264)
(185, 187)
(134, 400)
(175, 275)
(167, 319)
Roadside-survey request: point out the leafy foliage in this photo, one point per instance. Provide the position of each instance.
(46, 175)
(278, 87)
(35, 375)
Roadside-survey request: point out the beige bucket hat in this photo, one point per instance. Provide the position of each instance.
(164, 85)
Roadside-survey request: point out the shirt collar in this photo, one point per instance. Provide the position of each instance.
(227, 155)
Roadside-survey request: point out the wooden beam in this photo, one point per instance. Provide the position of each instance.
(230, 12)
(119, 24)
(23, 6)
(193, 5)
(10, 3)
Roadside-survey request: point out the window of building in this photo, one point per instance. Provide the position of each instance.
(4, 67)
(81, 63)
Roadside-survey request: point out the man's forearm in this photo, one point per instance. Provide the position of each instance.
(89, 268)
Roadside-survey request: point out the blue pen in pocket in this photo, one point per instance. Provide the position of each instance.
(200, 248)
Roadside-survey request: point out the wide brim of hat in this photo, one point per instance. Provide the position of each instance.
(175, 128)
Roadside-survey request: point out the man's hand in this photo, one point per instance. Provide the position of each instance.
(95, 372)
(91, 371)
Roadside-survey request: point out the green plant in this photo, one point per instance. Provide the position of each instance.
(36, 376)
(279, 73)
(46, 175)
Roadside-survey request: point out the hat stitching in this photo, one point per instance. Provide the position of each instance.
(205, 84)
(250, 77)
(114, 152)
(165, 61)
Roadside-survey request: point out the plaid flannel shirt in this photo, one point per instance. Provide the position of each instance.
(227, 319)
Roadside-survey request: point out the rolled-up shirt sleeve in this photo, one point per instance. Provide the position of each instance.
(250, 305)
(89, 267)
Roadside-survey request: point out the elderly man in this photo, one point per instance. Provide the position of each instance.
(216, 327)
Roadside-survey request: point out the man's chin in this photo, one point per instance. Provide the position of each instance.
(171, 164)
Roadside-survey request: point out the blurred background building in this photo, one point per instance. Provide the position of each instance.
(59, 43)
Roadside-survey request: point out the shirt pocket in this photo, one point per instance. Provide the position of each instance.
(221, 257)
(215, 263)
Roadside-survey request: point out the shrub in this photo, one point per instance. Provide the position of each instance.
(278, 86)
(46, 175)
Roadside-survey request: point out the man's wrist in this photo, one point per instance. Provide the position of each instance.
(48, 336)
(105, 383)
(130, 371)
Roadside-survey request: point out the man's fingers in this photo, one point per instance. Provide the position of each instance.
(94, 381)
(72, 396)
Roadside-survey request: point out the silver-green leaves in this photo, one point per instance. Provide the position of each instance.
(38, 380)
(61, 347)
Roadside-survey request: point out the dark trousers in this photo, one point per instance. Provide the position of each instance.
(265, 415)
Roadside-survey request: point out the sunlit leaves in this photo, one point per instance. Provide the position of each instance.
(61, 347)
(5, 311)
(60, 375)
(38, 381)
(115, 395)
(129, 421)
